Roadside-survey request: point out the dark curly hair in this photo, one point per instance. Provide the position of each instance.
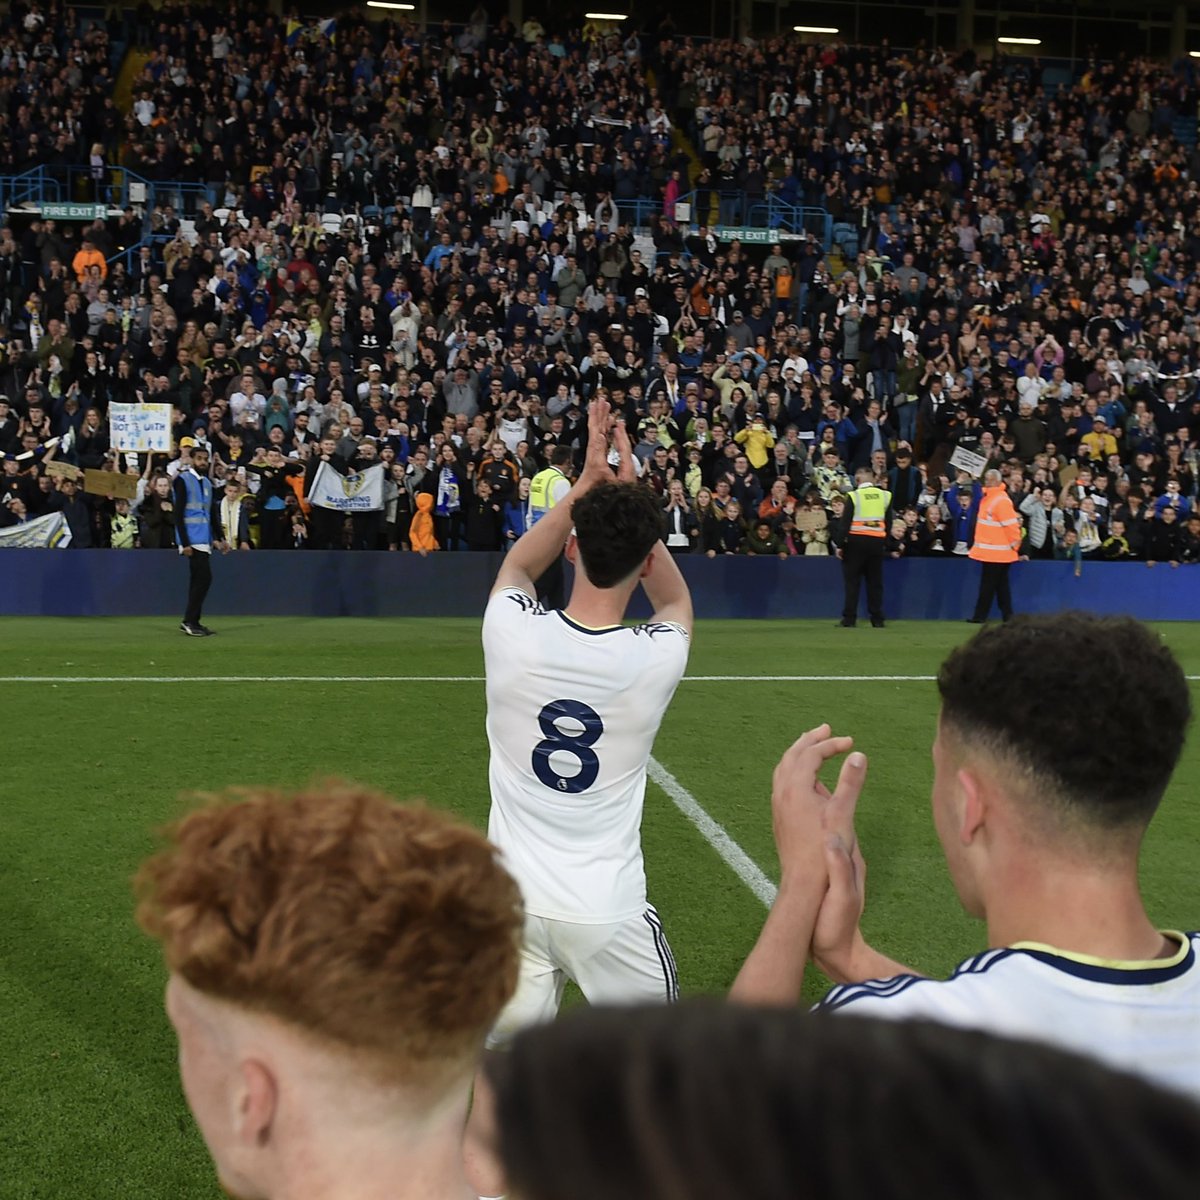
(704, 1101)
(1095, 708)
(616, 526)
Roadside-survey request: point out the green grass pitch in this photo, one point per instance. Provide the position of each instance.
(90, 1104)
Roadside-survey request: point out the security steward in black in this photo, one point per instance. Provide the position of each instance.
(868, 512)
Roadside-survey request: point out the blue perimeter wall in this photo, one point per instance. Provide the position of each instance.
(110, 583)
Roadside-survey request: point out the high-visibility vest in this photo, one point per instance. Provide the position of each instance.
(997, 528)
(197, 511)
(870, 505)
(541, 495)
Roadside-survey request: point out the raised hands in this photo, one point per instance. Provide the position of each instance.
(626, 472)
(804, 812)
(595, 465)
(809, 821)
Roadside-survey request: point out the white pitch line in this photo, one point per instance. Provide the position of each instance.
(433, 678)
(449, 678)
(241, 678)
(738, 861)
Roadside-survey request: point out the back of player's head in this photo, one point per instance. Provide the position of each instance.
(561, 456)
(616, 527)
(385, 932)
(703, 1102)
(1089, 712)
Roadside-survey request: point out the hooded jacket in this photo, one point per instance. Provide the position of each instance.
(420, 533)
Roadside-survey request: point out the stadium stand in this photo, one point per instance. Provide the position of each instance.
(431, 247)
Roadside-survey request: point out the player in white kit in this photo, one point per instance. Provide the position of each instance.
(1057, 738)
(575, 700)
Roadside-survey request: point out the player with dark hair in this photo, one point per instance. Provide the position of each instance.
(335, 963)
(574, 702)
(1041, 807)
(710, 1102)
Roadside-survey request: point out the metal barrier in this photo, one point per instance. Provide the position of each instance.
(75, 195)
(74, 185)
(126, 257)
(797, 219)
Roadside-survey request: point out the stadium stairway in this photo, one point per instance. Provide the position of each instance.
(683, 144)
(131, 68)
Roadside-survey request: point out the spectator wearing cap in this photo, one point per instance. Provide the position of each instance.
(1099, 443)
(740, 333)
(757, 440)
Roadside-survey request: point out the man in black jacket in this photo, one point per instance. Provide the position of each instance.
(78, 515)
(904, 480)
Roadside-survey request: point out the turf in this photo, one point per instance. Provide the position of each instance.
(90, 1104)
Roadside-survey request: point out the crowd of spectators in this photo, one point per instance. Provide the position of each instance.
(423, 248)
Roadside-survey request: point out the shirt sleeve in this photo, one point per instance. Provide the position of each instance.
(903, 997)
(505, 622)
(559, 489)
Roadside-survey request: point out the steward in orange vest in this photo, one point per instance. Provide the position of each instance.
(996, 545)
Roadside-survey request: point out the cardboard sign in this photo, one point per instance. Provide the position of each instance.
(63, 470)
(809, 520)
(967, 460)
(140, 427)
(110, 483)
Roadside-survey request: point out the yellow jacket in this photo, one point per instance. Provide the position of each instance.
(757, 439)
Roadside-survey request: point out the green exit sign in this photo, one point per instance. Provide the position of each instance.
(74, 212)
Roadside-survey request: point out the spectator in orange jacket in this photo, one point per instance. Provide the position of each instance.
(88, 256)
(420, 532)
(996, 546)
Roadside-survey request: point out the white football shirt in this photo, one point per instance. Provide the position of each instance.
(572, 714)
(1140, 1017)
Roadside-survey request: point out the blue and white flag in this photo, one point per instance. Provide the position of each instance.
(42, 533)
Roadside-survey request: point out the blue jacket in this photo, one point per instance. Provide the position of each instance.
(962, 515)
(194, 521)
(516, 518)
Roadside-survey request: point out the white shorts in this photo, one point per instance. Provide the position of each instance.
(626, 963)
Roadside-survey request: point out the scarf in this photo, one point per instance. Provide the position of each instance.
(448, 501)
(230, 518)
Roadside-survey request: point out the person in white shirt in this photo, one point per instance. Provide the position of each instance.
(246, 396)
(574, 702)
(1041, 807)
(1031, 385)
